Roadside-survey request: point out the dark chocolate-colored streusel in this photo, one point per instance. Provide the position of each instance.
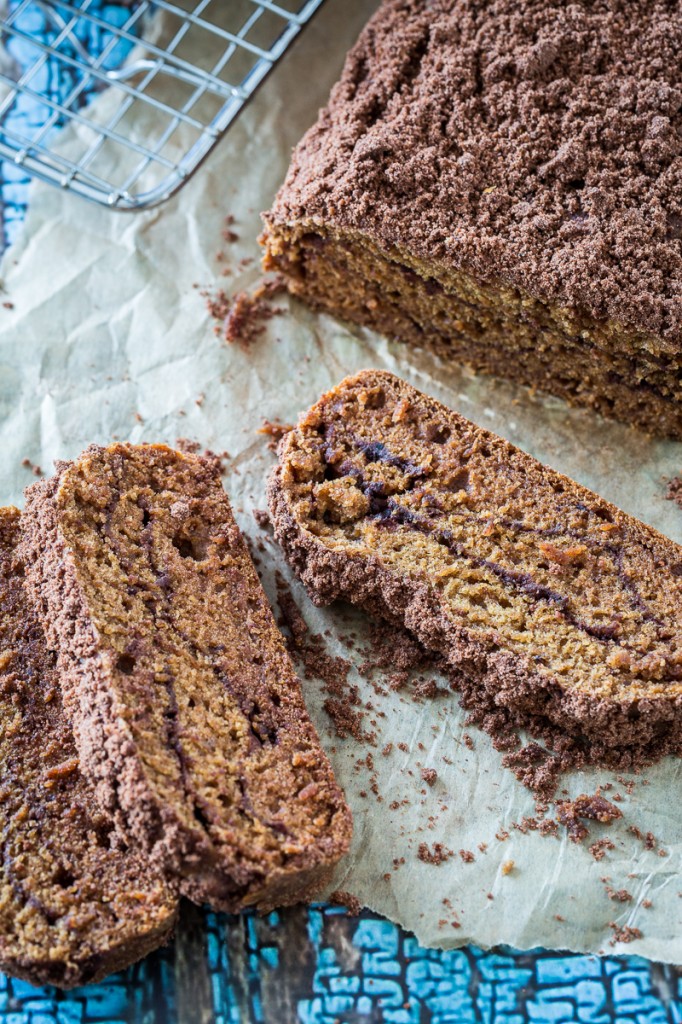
(539, 143)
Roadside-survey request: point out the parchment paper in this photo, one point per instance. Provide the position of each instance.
(109, 338)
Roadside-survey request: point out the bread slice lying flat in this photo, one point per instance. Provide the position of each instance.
(186, 709)
(546, 600)
(75, 904)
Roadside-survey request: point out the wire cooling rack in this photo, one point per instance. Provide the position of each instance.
(239, 42)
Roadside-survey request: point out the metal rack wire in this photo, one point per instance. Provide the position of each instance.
(239, 42)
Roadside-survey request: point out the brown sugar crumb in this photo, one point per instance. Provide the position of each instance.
(647, 904)
(648, 839)
(343, 704)
(598, 849)
(628, 784)
(536, 768)
(437, 855)
(674, 491)
(391, 648)
(502, 835)
(341, 898)
(467, 741)
(190, 447)
(429, 775)
(33, 466)
(241, 318)
(467, 856)
(227, 234)
(426, 689)
(387, 749)
(262, 518)
(483, 847)
(620, 895)
(591, 808)
(623, 934)
(187, 445)
(558, 917)
(507, 867)
(275, 431)
(8, 305)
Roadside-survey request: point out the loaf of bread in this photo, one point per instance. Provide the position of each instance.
(546, 600)
(187, 713)
(501, 182)
(75, 904)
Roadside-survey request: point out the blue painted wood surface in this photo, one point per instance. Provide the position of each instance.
(318, 965)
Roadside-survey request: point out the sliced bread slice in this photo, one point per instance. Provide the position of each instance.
(75, 904)
(546, 600)
(186, 709)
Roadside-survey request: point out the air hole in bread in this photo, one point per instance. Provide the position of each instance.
(438, 433)
(126, 664)
(191, 547)
(63, 877)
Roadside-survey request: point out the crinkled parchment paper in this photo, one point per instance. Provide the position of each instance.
(109, 338)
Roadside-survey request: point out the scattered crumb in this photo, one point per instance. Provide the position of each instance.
(186, 445)
(646, 904)
(242, 317)
(33, 466)
(437, 855)
(591, 808)
(507, 867)
(190, 447)
(341, 898)
(262, 517)
(8, 305)
(343, 704)
(429, 775)
(598, 849)
(648, 840)
(467, 856)
(536, 768)
(674, 491)
(623, 934)
(619, 895)
(275, 432)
